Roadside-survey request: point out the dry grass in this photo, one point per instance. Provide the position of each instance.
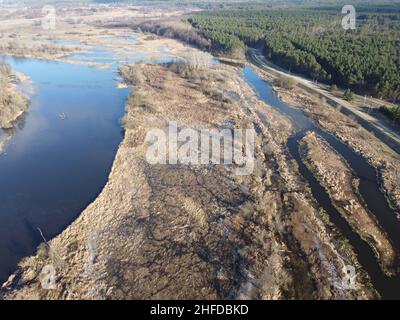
(176, 30)
(12, 103)
(334, 174)
(188, 232)
(20, 49)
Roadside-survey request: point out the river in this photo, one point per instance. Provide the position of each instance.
(389, 288)
(60, 155)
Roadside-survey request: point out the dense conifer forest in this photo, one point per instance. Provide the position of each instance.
(314, 43)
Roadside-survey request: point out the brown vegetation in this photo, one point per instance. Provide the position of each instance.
(196, 231)
(284, 82)
(378, 154)
(12, 103)
(175, 30)
(334, 174)
(15, 48)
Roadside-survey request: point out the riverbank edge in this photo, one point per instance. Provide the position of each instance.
(18, 112)
(391, 199)
(15, 89)
(304, 150)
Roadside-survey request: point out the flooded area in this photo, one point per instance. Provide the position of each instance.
(60, 154)
(58, 157)
(368, 187)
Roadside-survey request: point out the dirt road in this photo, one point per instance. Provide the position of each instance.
(377, 126)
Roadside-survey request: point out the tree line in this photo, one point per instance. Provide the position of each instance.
(313, 43)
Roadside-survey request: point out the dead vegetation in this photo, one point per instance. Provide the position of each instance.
(12, 103)
(176, 30)
(197, 231)
(41, 50)
(340, 183)
(379, 155)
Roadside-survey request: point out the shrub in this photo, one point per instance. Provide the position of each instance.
(348, 95)
(285, 82)
(195, 67)
(133, 74)
(42, 251)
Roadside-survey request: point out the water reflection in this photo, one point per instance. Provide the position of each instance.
(53, 166)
